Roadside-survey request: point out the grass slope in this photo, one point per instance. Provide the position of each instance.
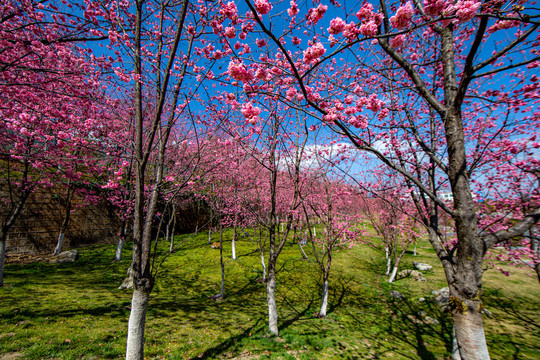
(75, 311)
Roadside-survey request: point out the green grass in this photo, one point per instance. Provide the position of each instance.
(75, 311)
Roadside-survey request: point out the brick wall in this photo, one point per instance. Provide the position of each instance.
(36, 230)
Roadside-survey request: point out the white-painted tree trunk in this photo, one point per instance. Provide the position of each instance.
(470, 337)
(119, 248)
(455, 348)
(209, 236)
(414, 250)
(171, 246)
(60, 242)
(272, 309)
(282, 230)
(393, 274)
(137, 320)
(264, 268)
(234, 244)
(388, 266)
(303, 252)
(314, 231)
(324, 300)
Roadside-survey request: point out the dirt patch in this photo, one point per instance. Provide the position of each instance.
(11, 356)
(21, 259)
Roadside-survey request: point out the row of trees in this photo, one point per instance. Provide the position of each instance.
(248, 106)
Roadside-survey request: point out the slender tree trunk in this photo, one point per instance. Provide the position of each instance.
(324, 300)
(119, 248)
(388, 262)
(393, 274)
(414, 250)
(137, 319)
(261, 249)
(303, 252)
(121, 241)
(271, 298)
(63, 229)
(209, 236)
(65, 223)
(222, 292)
(264, 268)
(234, 243)
(59, 243)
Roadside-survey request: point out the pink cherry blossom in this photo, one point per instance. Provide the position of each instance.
(263, 6)
(337, 25)
(293, 10)
(316, 14)
(230, 32)
(237, 70)
(397, 41)
(403, 16)
(313, 53)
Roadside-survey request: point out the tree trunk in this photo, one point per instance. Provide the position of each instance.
(324, 300)
(469, 330)
(264, 268)
(137, 320)
(303, 252)
(222, 291)
(121, 241)
(209, 236)
(65, 223)
(455, 348)
(393, 274)
(388, 264)
(59, 243)
(271, 299)
(414, 250)
(234, 243)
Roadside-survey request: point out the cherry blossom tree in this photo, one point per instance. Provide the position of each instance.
(420, 73)
(52, 107)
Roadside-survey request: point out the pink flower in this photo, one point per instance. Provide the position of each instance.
(293, 10)
(368, 28)
(229, 10)
(260, 43)
(403, 16)
(397, 41)
(365, 12)
(250, 112)
(466, 10)
(336, 25)
(230, 32)
(296, 40)
(263, 6)
(238, 71)
(312, 54)
(434, 7)
(316, 14)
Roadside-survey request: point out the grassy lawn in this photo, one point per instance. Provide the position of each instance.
(75, 311)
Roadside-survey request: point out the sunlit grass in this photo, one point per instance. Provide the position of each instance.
(75, 311)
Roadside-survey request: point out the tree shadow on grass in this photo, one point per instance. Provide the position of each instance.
(227, 344)
(407, 325)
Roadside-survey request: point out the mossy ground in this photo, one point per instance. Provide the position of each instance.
(75, 311)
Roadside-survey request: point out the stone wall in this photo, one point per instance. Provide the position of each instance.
(36, 230)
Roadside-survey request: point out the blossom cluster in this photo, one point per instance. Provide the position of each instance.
(313, 53)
